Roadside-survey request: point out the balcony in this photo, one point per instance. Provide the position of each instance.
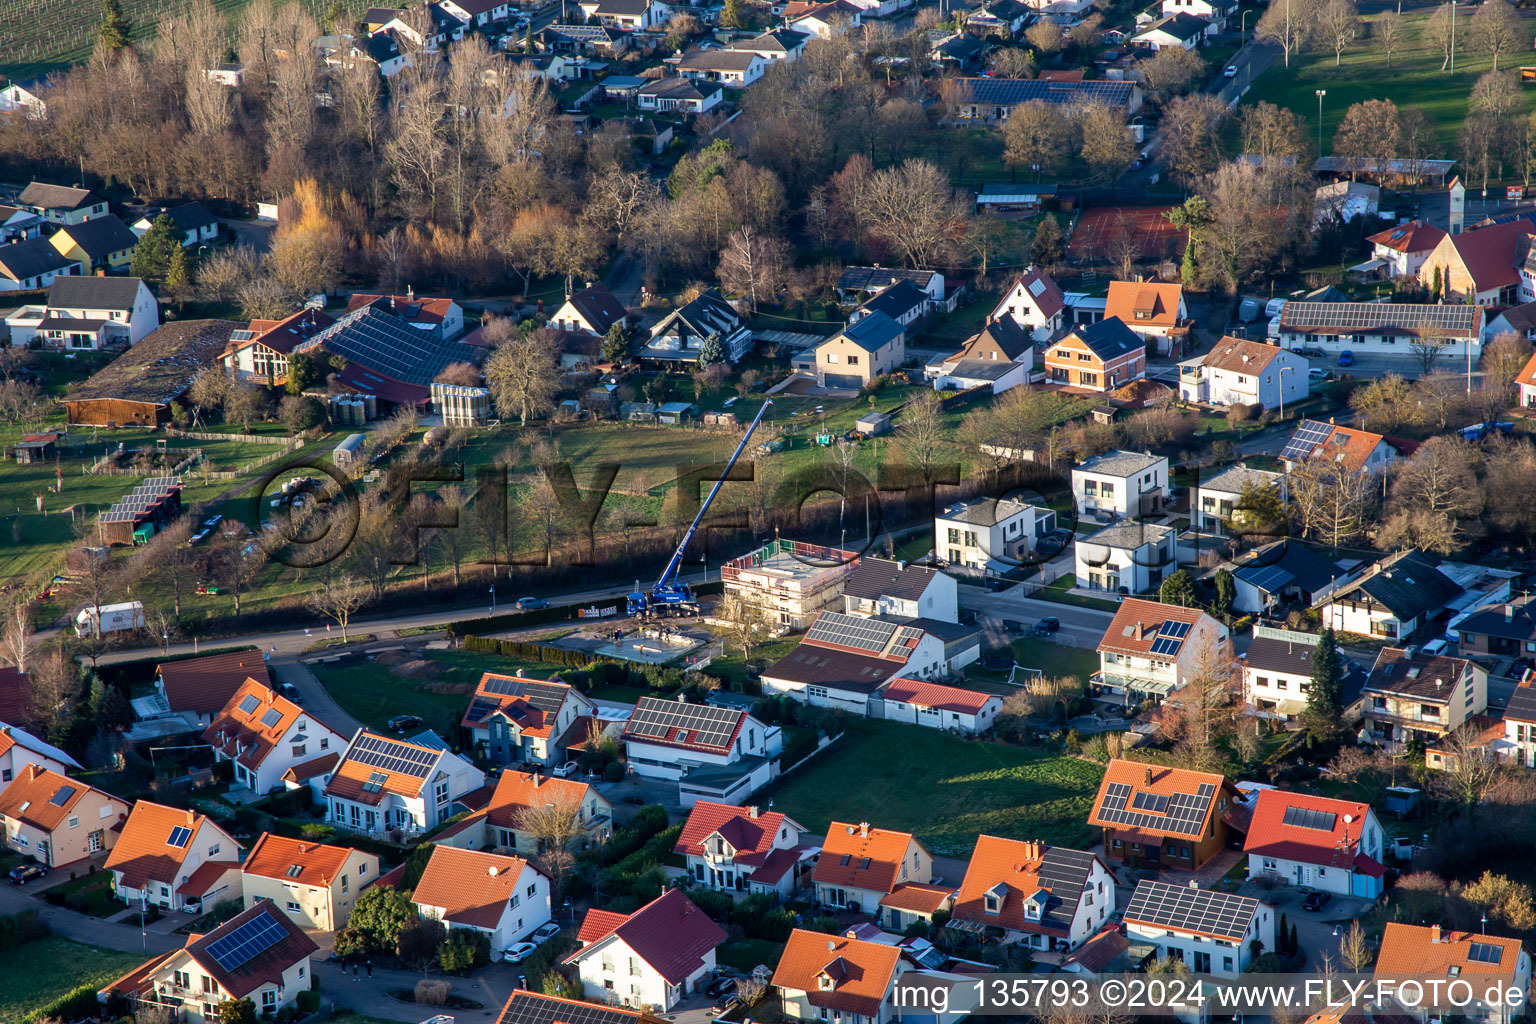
(1437, 720)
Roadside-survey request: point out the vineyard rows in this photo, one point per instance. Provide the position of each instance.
(49, 35)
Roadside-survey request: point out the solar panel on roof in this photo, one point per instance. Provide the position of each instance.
(1485, 953)
(1193, 910)
(851, 631)
(1174, 628)
(1269, 578)
(271, 718)
(1151, 802)
(249, 703)
(1181, 813)
(534, 1008)
(249, 940)
(1307, 817)
(62, 796)
(662, 720)
(179, 837)
(400, 758)
(1307, 437)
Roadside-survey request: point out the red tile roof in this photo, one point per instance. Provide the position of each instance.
(1415, 236)
(518, 791)
(15, 697)
(1528, 372)
(918, 898)
(1269, 836)
(1135, 625)
(305, 863)
(472, 887)
(264, 968)
(44, 798)
(1159, 301)
(206, 877)
(1011, 869)
(751, 837)
(1492, 255)
(599, 923)
(1162, 781)
(246, 735)
(410, 308)
(203, 685)
(142, 853)
(1415, 951)
(1240, 355)
(862, 857)
(669, 933)
(352, 774)
(936, 695)
(837, 972)
(309, 769)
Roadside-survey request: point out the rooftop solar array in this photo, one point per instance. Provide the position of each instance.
(271, 718)
(180, 836)
(1362, 317)
(1193, 910)
(249, 704)
(852, 631)
(400, 758)
(137, 501)
(62, 796)
(1268, 578)
(249, 940)
(380, 341)
(1485, 953)
(1308, 436)
(534, 1008)
(542, 695)
(1306, 817)
(675, 722)
(1170, 637)
(1181, 814)
(1011, 91)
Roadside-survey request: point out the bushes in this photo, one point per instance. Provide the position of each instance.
(78, 1005)
(18, 928)
(758, 918)
(614, 772)
(464, 951)
(647, 821)
(432, 992)
(307, 1001)
(528, 651)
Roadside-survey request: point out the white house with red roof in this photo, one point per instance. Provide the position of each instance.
(1317, 843)
(503, 898)
(1237, 371)
(1151, 649)
(714, 753)
(658, 956)
(1405, 247)
(940, 707)
(433, 313)
(173, 858)
(19, 748)
(1046, 897)
(744, 849)
(512, 718)
(1484, 962)
(265, 734)
(1035, 303)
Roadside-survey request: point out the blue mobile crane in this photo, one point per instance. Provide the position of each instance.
(667, 596)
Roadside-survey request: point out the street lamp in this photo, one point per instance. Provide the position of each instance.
(1453, 37)
(493, 599)
(1283, 371)
(1242, 33)
(1320, 94)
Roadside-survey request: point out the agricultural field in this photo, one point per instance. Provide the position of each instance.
(1414, 79)
(43, 36)
(944, 789)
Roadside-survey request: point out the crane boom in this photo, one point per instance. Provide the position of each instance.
(677, 556)
(665, 592)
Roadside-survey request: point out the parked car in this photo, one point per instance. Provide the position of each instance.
(1230, 71)
(400, 723)
(1317, 373)
(528, 604)
(566, 770)
(291, 692)
(1436, 646)
(720, 987)
(27, 872)
(723, 1006)
(1346, 358)
(545, 932)
(1049, 624)
(518, 952)
(1316, 900)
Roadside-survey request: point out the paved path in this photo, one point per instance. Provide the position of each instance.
(93, 931)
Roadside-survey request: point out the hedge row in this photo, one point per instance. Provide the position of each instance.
(529, 651)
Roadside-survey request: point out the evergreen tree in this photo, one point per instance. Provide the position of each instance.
(178, 276)
(711, 351)
(113, 33)
(733, 15)
(1046, 248)
(302, 372)
(1294, 943)
(1325, 694)
(1178, 588)
(1226, 591)
(152, 256)
(616, 343)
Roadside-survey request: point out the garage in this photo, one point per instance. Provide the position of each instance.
(851, 381)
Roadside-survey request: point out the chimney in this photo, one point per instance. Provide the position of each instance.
(101, 271)
(753, 811)
(410, 293)
(864, 829)
(851, 934)
(538, 780)
(1509, 613)
(1434, 933)
(1330, 419)
(1149, 776)
(191, 817)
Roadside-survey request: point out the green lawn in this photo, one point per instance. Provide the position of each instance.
(1057, 591)
(745, 954)
(918, 547)
(1415, 79)
(944, 789)
(91, 894)
(34, 975)
(373, 694)
(1057, 659)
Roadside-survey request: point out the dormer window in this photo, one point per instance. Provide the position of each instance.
(993, 903)
(824, 982)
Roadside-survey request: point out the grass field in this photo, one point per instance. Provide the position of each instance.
(943, 789)
(372, 694)
(1415, 79)
(32, 978)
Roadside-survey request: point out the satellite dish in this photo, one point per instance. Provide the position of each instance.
(1348, 818)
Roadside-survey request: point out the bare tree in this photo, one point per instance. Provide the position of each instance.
(754, 264)
(521, 373)
(1339, 23)
(920, 434)
(1289, 24)
(1192, 132)
(1436, 33)
(1470, 768)
(1368, 135)
(1039, 136)
(16, 633)
(553, 818)
(1108, 148)
(1390, 33)
(914, 209)
(1355, 948)
(55, 686)
(1171, 71)
(746, 623)
(1330, 500)
(340, 599)
(1496, 29)
(168, 563)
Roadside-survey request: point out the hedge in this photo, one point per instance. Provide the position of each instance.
(529, 651)
(77, 1005)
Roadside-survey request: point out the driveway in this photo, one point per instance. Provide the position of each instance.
(255, 233)
(1314, 930)
(1084, 626)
